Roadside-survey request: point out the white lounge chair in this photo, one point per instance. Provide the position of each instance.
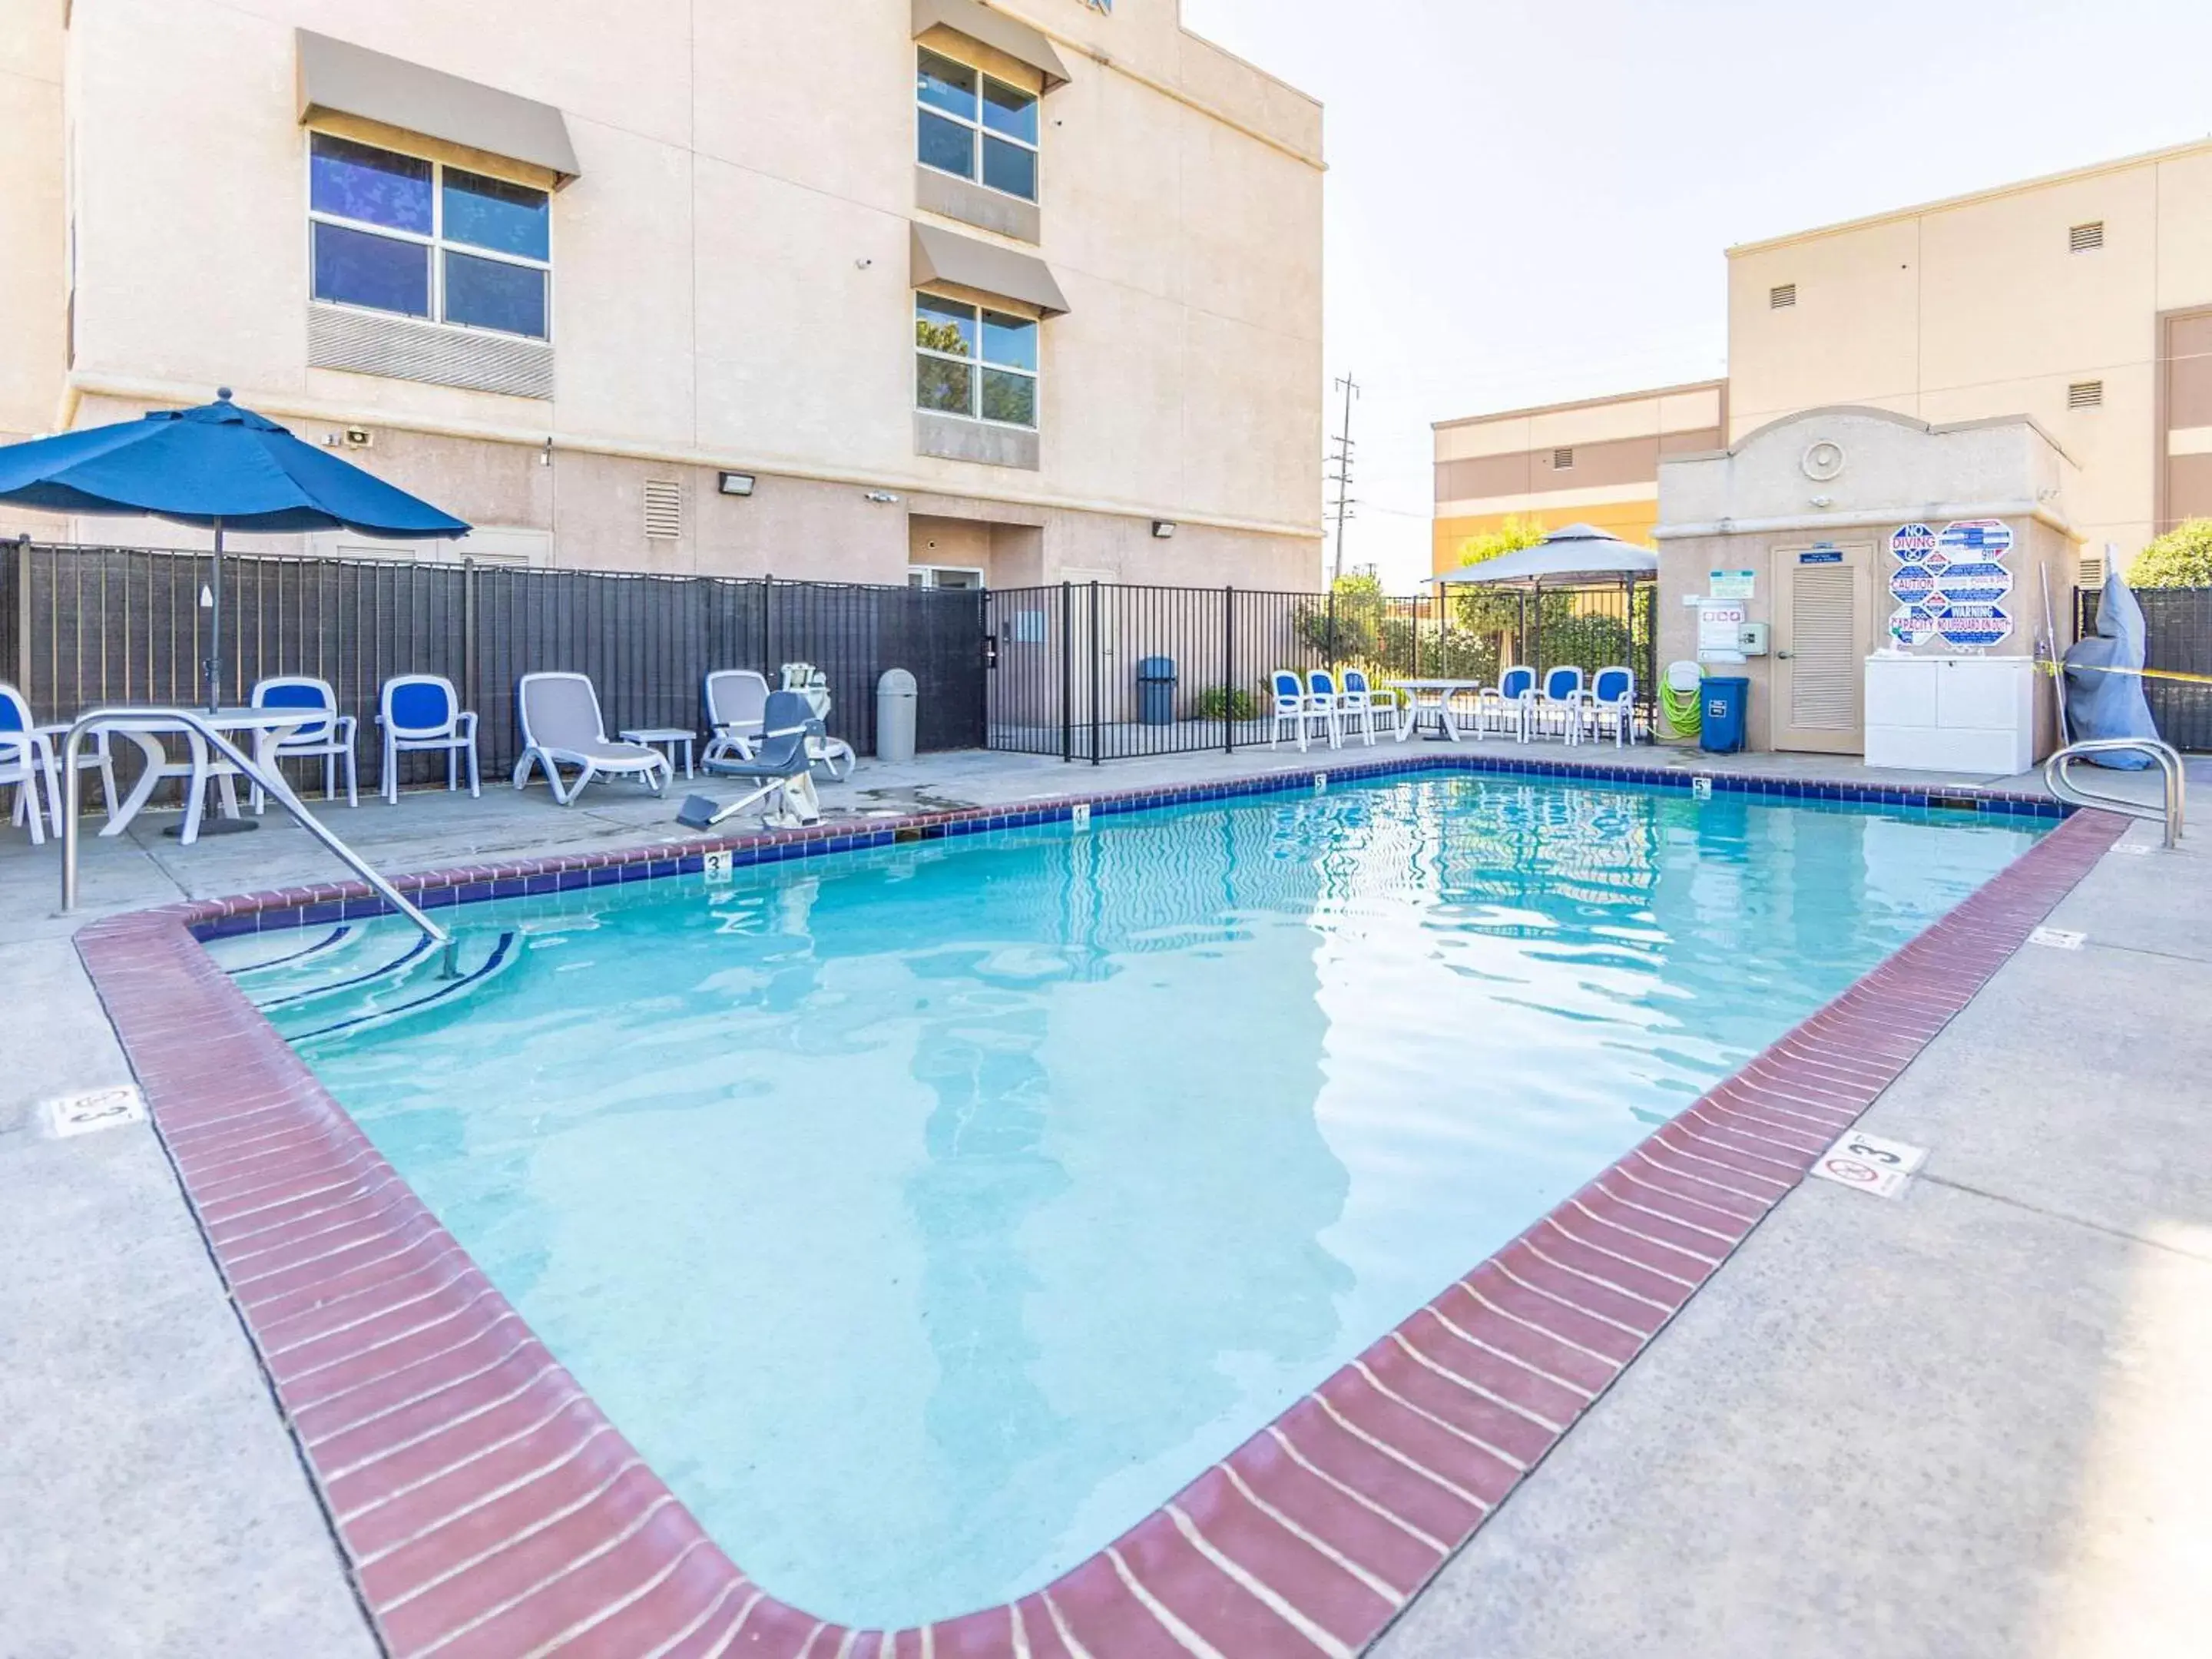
(329, 739)
(737, 703)
(562, 726)
(1610, 706)
(421, 712)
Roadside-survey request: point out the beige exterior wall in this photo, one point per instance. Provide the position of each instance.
(1493, 467)
(1973, 308)
(730, 274)
(33, 237)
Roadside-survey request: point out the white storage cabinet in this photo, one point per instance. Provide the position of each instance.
(1950, 714)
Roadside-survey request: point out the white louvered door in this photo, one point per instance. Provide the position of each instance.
(1821, 642)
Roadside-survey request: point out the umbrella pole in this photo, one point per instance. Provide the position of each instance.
(215, 630)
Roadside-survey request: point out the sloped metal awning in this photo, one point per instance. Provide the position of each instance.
(1016, 39)
(941, 257)
(339, 78)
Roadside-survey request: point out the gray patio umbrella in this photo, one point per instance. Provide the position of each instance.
(1578, 553)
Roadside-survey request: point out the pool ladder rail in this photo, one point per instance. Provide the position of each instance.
(2170, 813)
(270, 783)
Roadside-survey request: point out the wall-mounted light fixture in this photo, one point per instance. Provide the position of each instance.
(881, 495)
(734, 484)
(545, 455)
(1163, 528)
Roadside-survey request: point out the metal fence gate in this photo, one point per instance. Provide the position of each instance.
(2178, 637)
(1100, 670)
(81, 626)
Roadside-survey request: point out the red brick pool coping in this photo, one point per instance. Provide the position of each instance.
(486, 1507)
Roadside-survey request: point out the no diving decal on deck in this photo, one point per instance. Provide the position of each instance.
(1870, 1164)
(94, 1109)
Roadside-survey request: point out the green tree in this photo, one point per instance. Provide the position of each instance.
(1510, 536)
(1485, 610)
(2180, 558)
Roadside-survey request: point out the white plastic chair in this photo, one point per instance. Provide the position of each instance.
(94, 756)
(1610, 706)
(24, 763)
(736, 705)
(329, 738)
(1325, 703)
(1557, 707)
(1359, 704)
(1505, 707)
(419, 711)
(833, 755)
(559, 712)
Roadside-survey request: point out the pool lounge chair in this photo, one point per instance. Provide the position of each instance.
(782, 765)
(562, 726)
(735, 700)
(421, 712)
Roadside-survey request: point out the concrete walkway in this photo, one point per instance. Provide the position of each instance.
(151, 1502)
(1975, 1423)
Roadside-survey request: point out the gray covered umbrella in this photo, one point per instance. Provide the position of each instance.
(1578, 553)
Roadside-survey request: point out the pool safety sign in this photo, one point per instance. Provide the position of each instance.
(1870, 1164)
(1949, 585)
(1731, 584)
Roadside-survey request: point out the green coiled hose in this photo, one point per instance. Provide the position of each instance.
(1684, 718)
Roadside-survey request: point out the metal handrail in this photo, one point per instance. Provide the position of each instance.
(2168, 757)
(270, 783)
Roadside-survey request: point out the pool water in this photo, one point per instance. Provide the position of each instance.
(926, 1217)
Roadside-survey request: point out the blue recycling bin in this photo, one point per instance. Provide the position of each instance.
(1722, 702)
(1156, 691)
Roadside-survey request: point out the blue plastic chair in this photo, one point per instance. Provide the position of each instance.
(422, 712)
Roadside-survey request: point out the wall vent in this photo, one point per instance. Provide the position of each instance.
(1782, 298)
(2086, 394)
(2093, 571)
(664, 509)
(1562, 460)
(2086, 239)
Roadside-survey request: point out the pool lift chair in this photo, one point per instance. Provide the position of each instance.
(833, 755)
(782, 765)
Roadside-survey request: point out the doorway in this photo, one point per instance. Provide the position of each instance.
(1824, 615)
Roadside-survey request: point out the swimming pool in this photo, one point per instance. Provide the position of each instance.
(927, 1216)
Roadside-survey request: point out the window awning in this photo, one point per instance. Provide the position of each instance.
(339, 78)
(941, 257)
(1010, 35)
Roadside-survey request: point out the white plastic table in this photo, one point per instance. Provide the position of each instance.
(267, 727)
(672, 737)
(1431, 699)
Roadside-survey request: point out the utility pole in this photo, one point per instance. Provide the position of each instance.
(1341, 458)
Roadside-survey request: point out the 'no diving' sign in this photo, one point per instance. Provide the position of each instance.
(1870, 1164)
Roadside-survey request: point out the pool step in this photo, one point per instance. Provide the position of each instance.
(352, 976)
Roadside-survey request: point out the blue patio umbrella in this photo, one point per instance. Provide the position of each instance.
(218, 466)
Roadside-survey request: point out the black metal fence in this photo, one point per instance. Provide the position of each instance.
(1100, 671)
(81, 626)
(2176, 638)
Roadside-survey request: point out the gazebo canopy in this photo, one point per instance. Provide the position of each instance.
(1578, 553)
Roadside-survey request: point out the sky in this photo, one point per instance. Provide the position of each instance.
(1528, 202)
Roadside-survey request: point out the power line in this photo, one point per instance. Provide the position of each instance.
(1341, 458)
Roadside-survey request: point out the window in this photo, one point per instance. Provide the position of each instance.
(1562, 460)
(2086, 239)
(973, 362)
(965, 578)
(975, 127)
(1782, 298)
(395, 233)
(2086, 394)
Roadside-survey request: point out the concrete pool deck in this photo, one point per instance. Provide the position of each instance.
(148, 1538)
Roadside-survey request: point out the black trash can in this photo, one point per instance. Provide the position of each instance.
(1156, 691)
